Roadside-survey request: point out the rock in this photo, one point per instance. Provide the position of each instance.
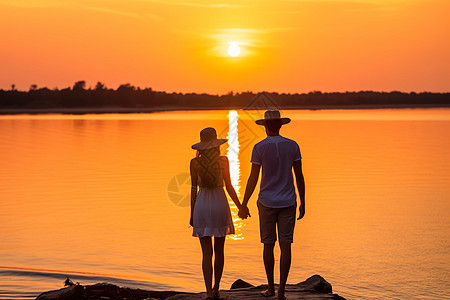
(316, 283)
(102, 290)
(75, 292)
(240, 284)
(105, 291)
(314, 288)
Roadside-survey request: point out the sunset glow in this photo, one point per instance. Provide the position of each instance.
(234, 50)
(183, 46)
(235, 170)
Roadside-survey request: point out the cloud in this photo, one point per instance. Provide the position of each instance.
(298, 6)
(206, 4)
(340, 3)
(252, 39)
(30, 3)
(112, 11)
(122, 13)
(335, 1)
(54, 3)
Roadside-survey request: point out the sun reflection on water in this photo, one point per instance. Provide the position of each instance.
(235, 172)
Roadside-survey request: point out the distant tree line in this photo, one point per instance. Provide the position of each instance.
(129, 96)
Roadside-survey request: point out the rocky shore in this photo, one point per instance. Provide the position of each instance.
(314, 288)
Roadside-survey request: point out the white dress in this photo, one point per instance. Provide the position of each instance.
(212, 215)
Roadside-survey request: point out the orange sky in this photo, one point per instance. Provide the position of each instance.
(181, 45)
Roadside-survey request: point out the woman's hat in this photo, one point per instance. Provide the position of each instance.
(271, 115)
(208, 140)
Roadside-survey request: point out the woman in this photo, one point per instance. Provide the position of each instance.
(210, 212)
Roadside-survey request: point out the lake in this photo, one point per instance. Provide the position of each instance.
(105, 198)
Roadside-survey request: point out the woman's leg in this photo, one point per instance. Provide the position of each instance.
(207, 251)
(219, 243)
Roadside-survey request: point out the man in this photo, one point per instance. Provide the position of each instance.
(277, 156)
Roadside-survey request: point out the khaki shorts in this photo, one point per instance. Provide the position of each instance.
(270, 218)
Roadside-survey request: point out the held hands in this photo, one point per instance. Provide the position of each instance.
(244, 213)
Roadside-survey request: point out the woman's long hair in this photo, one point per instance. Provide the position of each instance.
(209, 171)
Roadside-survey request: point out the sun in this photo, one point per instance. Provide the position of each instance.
(234, 50)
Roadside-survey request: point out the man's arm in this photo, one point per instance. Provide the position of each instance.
(300, 186)
(250, 188)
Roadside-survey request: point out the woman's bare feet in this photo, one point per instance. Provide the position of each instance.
(268, 293)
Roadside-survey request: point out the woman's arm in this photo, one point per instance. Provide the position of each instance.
(226, 177)
(194, 178)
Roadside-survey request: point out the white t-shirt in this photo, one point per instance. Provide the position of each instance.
(276, 155)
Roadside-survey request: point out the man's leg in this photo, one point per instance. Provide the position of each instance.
(285, 265)
(267, 223)
(286, 224)
(269, 263)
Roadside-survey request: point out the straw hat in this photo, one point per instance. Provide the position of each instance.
(271, 115)
(208, 140)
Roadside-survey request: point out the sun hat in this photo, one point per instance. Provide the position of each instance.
(271, 115)
(208, 140)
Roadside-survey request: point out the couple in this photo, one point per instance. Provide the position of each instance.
(210, 212)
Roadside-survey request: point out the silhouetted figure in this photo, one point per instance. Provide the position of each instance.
(210, 212)
(277, 204)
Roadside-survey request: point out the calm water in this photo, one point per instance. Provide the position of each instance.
(103, 198)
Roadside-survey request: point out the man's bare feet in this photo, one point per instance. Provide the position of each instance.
(281, 295)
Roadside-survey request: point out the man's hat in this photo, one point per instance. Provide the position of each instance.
(271, 115)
